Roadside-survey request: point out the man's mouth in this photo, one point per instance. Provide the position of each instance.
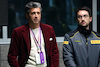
(83, 22)
(36, 19)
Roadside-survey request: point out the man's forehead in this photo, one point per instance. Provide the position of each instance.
(35, 9)
(82, 12)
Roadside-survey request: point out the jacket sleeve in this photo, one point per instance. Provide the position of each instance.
(55, 52)
(68, 55)
(13, 50)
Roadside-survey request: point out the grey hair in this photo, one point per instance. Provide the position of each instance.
(32, 5)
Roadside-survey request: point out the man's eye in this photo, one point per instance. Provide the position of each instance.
(85, 15)
(38, 12)
(79, 16)
(33, 13)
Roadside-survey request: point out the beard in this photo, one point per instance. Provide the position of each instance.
(84, 26)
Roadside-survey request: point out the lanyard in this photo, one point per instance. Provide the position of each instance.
(36, 41)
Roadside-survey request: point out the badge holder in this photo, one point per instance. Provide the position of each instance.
(39, 58)
(38, 61)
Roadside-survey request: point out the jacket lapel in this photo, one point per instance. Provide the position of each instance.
(46, 36)
(26, 35)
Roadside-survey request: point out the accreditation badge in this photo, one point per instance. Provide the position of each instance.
(39, 58)
(38, 61)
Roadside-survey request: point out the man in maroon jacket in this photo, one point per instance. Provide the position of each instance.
(33, 44)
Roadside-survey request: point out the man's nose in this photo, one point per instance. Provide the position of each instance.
(36, 14)
(83, 18)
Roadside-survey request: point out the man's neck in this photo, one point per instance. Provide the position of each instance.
(84, 31)
(87, 28)
(33, 26)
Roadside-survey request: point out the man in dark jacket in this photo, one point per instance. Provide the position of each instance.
(81, 47)
(33, 44)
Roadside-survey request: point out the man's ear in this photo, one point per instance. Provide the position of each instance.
(90, 18)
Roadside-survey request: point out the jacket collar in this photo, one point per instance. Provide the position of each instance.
(84, 31)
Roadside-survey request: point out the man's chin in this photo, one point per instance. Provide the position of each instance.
(36, 22)
(84, 26)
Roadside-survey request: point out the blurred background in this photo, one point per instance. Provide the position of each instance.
(58, 13)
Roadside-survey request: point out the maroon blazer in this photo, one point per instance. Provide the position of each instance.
(20, 46)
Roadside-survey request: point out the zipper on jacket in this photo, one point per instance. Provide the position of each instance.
(86, 41)
(87, 52)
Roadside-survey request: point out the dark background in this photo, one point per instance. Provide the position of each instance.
(58, 13)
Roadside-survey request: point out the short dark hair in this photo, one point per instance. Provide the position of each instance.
(32, 5)
(84, 8)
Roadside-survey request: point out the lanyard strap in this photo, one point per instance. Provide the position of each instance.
(36, 41)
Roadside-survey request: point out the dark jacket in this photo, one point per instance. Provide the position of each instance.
(20, 46)
(81, 48)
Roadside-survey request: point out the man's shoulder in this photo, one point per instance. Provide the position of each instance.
(96, 33)
(21, 27)
(71, 33)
